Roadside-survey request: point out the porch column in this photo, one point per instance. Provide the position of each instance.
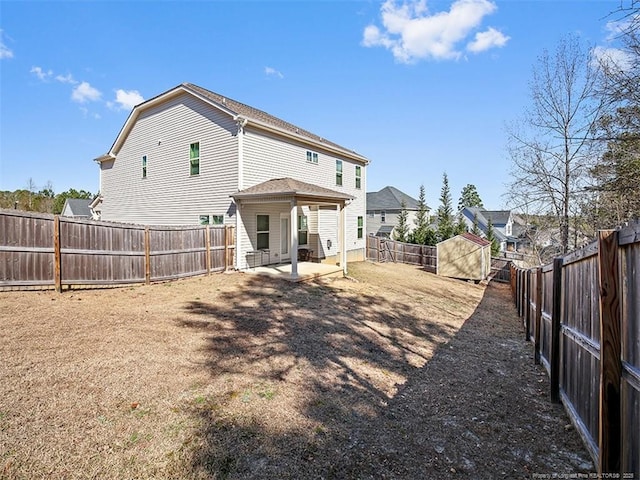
(294, 239)
(238, 232)
(343, 239)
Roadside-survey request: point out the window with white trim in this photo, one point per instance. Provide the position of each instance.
(144, 166)
(303, 230)
(358, 176)
(339, 172)
(312, 157)
(360, 226)
(194, 158)
(262, 232)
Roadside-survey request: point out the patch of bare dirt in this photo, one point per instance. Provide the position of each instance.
(393, 373)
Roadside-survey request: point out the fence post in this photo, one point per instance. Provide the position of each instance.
(57, 272)
(527, 305)
(147, 256)
(207, 238)
(556, 312)
(610, 363)
(538, 318)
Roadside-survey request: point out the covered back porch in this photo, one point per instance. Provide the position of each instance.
(288, 223)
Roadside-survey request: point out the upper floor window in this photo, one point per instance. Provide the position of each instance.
(144, 166)
(338, 172)
(383, 216)
(358, 176)
(312, 157)
(194, 158)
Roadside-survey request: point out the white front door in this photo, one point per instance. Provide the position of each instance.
(285, 237)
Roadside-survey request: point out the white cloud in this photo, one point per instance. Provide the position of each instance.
(486, 40)
(5, 52)
(85, 93)
(412, 33)
(68, 78)
(269, 71)
(612, 58)
(41, 74)
(126, 100)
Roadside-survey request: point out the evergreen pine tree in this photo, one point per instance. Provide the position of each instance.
(475, 229)
(445, 211)
(401, 231)
(419, 234)
(495, 246)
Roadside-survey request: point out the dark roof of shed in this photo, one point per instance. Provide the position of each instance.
(390, 198)
(290, 187)
(483, 242)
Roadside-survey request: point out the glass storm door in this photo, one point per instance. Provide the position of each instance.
(285, 237)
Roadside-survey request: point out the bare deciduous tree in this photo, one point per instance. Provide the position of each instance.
(551, 149)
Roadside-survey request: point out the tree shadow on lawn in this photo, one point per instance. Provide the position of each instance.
(308, 379)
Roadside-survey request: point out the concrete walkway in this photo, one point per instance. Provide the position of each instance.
(306, 271)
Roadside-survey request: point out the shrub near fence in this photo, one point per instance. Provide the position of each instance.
(46, 250)
(583, 314)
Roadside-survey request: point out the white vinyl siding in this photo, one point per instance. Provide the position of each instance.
(171, 195)
(267, 157)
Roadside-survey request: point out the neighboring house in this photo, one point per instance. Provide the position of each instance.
(77, 208)
(501, 220)
(383, 210)
(192, 156)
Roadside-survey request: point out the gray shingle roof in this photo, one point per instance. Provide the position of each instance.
(390, 198)
(79, 207)
(290, 187)
(252, 113)
(483, 221)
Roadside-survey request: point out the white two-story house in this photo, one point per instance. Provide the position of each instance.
(192, 156)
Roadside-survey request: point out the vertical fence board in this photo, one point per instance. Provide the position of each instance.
(555, 330)
(630, 353)
(610, 366)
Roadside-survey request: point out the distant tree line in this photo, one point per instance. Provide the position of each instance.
(40, 199)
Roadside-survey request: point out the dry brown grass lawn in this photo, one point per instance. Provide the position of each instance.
(395, 373)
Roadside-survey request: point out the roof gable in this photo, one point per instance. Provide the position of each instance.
(77, 207)
(290, 187)
(242, 113)
(390, 198)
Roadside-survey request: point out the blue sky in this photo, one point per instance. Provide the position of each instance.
(418, 87)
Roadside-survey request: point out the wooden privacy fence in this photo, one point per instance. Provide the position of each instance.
(47, 250)
(386, 250)
(583, 315)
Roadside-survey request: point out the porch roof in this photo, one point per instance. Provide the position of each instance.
(288, 187)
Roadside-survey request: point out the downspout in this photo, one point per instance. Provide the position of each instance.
(293, 252)
(240, 122)
(343, 238)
